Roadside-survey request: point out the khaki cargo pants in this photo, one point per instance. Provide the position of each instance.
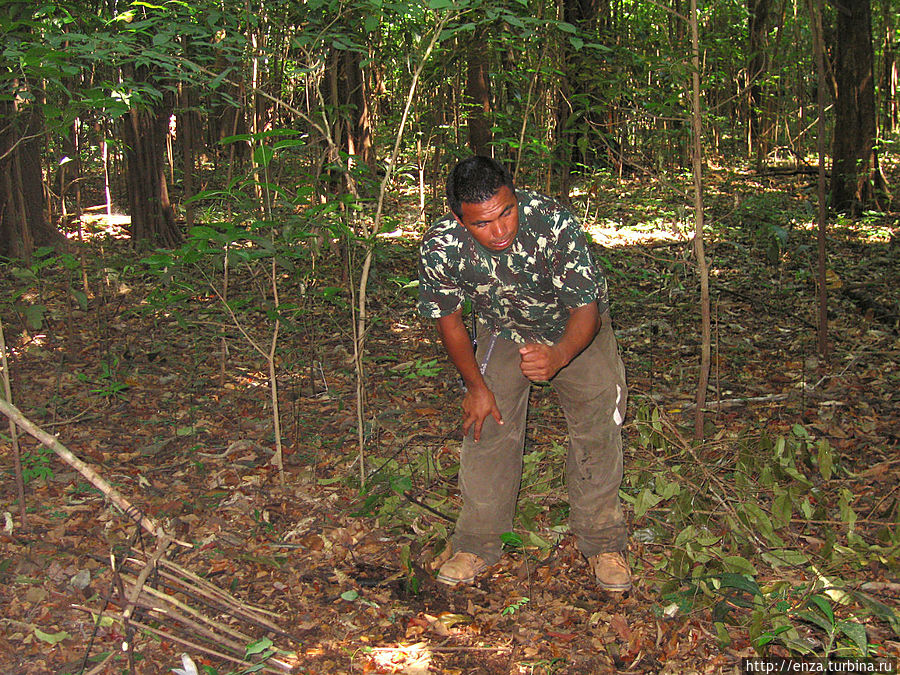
(592, 394)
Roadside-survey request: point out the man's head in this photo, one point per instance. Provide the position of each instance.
(482, 197)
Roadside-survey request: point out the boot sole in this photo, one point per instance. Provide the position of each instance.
(453, 581)
(621, 588)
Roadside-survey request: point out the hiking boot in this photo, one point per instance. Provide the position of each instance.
(611, 570)
(462, 568)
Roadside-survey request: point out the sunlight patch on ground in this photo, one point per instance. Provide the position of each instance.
(115, 225)
(408, 659)
(875, 230)
(611, 236)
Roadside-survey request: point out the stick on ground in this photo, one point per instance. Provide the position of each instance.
(84, 469)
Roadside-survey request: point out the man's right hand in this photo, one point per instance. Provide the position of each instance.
(477, 405)
(478, 402)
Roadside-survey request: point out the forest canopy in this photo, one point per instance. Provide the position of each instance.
(144, 105)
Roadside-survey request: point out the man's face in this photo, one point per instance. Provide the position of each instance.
(494, 222)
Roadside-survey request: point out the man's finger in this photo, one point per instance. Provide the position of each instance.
(495, 411)
(478, 429)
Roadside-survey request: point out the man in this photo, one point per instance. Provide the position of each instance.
(543, 316)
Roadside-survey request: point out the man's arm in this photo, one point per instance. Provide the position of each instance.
(541, 362)
(479, 401)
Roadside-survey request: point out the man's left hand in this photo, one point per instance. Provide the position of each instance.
(541, 362)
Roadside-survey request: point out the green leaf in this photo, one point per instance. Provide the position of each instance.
(796, 645)
(401, 484)
(738, 564)
(770, 636)
(740, 582)
(666, 489)
(202, 232)
(513, 20)
(686, 536)
(81, 299)
(34, 316)
(262, 155)
(796, 475)
(23, 273)
(511, 539)
(806, 509)
(259, 646)
(289, 143)
(538, 541)
(723, 637)
(51, 638)
(782, 509)
(848, 515)
(646, 500)
(236, 138)
(218, 79)
(857, 633)
(815, 619)
(879, 609)
(350, 595)
(757, 520)
(785, 556)
(824, 607)
(826, 459)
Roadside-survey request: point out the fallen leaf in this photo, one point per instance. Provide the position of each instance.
(51, 638)
(618, 623)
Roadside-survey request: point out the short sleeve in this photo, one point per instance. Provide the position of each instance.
(576, 277)
(439, 290)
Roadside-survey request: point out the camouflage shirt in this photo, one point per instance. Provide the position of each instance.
(522, 293)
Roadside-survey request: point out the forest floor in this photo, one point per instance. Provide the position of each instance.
(778, 534)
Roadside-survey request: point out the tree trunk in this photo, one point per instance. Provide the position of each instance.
(758, 12)
(890, 74)
(359, 124)
(346, 93)
(152, 215)
(855, 177)
(24, 220)
(699, 248)
(815, 13)
(478, 94)
(188, 133)
(580, 145)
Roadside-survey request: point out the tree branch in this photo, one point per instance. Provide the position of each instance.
(85, 470)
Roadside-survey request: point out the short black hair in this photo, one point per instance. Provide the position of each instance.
(474, 180)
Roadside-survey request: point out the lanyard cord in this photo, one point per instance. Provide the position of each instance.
(490, 349)
(487, 357)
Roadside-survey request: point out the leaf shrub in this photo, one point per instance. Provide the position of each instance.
(733, 533)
